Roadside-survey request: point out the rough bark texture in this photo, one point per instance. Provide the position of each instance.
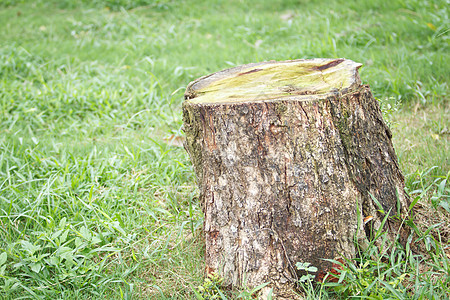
(288, 178)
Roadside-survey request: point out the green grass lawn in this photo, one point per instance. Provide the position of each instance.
(96, 202)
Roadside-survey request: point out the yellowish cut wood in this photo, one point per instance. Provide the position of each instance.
(288, 157)
(276, 80)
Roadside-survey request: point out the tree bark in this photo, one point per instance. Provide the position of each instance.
(287, 156)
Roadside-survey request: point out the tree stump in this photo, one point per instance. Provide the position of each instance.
(288, 157)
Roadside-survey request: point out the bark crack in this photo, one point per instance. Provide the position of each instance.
(304, 111)
(294, 277)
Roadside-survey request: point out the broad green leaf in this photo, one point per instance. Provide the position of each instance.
(63, 237)
(302, 266)
(442, 186)
(222, 296)
(36, 267)
(394, 291)
(62, 223)
(85, 233)
(56, 234)
(380, 207)
(53, 261)
(96, 240)
(116, 226)
(342, 276)
(269, 296)
(445, 205)
(196, 293)
(29, 247)
(312, 269)
(3, 258)
(2, 270)
(414, 202)
(258, 287)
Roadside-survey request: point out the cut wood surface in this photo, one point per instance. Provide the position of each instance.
(275, 80)
(289, 157)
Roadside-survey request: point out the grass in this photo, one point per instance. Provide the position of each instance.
(96, 202)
